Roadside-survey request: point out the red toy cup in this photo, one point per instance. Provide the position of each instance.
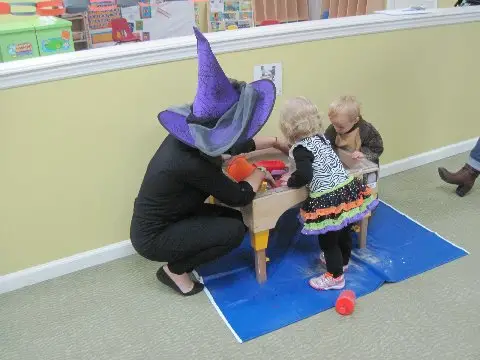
(346, 302)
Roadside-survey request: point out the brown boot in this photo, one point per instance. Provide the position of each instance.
(464, 178)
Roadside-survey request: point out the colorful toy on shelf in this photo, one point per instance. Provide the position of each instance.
(269, 22)
(50, 8)
(345, 303)
(42, 8)
(102, 5)
(121, 32)
(4, 8)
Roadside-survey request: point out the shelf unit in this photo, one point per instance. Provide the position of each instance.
(342, 8)
(283, 11)
(80, 30)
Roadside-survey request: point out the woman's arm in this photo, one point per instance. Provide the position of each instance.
(259, 143)
(256, 178)
(265, 142)
(242, 148)
(213, 181)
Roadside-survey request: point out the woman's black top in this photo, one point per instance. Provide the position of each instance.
(177, 182)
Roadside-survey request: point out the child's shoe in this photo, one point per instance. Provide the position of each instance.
(323, 261)
(327, 282)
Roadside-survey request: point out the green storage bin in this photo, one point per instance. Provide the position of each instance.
(17, 41)
(54, 35)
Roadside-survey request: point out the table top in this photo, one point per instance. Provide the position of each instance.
(263, 212)
(354, 167)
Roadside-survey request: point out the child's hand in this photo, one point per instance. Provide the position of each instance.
(357, 155)
(284, 179)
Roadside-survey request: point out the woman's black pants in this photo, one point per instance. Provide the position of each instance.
(210, 233)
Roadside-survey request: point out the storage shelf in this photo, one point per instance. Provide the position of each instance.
(281, 10)
(80, 30)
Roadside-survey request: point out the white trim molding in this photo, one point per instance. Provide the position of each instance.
(429, 4)
(428, 157)
(56, 268)
(126, 56)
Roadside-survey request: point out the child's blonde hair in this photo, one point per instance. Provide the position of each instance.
(299, 119)
(345, 105)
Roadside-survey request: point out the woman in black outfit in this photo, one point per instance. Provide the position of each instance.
(171, 221)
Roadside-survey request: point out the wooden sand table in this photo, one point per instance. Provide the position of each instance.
(263, 213)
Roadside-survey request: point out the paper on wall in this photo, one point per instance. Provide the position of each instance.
(216, 6)
(131, 13)
(270, 71)
(180, 22)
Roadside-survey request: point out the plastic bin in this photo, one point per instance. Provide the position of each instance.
(17, 41)
(54, 35)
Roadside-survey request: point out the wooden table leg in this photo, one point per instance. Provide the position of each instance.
(259, 242)
(363, 232)
(261, 266)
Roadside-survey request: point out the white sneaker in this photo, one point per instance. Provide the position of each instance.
(324, 262)
(327, 282)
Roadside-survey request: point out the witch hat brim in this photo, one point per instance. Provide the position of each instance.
(176, 123)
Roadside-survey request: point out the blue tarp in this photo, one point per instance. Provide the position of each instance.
(397, 248)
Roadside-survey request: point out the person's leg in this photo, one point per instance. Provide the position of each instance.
(334, 278)
(465, 177)
(192, 242)
(345, 243)
(329, 243)
(212, 210)
(474, 160)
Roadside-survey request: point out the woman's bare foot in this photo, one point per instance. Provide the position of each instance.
(183, 281)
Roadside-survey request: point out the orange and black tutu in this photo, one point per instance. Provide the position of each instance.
(337, 208)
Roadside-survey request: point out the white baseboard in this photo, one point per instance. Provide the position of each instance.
(427, 157)
(108, 253)
(56, 268)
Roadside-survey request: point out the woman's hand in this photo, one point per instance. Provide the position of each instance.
(256, 178)
(226, 158)
(269, 179)
(281, 145)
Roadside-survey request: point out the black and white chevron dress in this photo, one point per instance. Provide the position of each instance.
(336, 199)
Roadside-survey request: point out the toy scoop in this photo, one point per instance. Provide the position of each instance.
(239, 168)
(271, 165)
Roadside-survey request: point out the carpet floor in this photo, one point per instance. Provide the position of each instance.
(118, 311)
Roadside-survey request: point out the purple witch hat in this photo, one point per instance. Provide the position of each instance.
(221, 115)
